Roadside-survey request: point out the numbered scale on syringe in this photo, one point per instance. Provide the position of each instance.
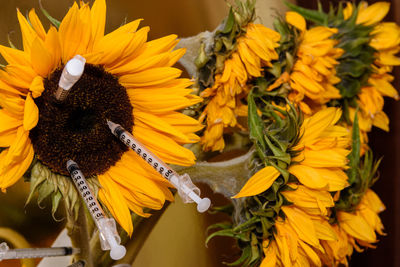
(151, 159)
(85, 192)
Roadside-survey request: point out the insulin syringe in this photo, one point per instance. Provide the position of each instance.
(29, 253)
(186, 189)
(109, 238)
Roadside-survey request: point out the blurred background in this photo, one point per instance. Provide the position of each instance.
(179, 235)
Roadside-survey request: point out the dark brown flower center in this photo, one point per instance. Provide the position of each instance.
(76, 128)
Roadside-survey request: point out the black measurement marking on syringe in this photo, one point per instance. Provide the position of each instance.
(156, 165)
(87, 195)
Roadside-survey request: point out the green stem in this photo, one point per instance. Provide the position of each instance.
(79, 234)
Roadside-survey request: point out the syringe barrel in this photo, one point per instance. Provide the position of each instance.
(144, 153)
(24, 253)
(80, 182)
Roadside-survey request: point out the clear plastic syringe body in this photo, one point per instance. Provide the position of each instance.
(186, 189)
(25, 253)
(109, 238)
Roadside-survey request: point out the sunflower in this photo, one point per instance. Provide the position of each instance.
(364, 221)
(255, 49)
(321, 158)
(385, 40)
(297, 240)
(126, 79)
(355, 229)
(318, 166)
(313, 76)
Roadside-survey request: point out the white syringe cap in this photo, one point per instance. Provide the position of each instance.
(72, 71)
(117, 252)
(203, 205)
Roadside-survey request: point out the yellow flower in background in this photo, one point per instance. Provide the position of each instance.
(364, 221)
(255, 50)
(337, 251)
(313, 76)
(126, 79)
(322, 158)
(319, 168)
(385, 39)
(297, 241)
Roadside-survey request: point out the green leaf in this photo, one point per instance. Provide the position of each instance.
(223, 225)
(256, 125)
(226, 232)
(246, 254)
(230, 21)
(55, 201)
(54, 21)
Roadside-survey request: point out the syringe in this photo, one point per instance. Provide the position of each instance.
(71, 73)
(186, 189)
(109, 238)
(24, 253)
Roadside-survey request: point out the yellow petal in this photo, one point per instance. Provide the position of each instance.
(334, 157)
(269, 254)
(111, 196)
(14, 104)
(14, 56)
(11, 173)
(19, 148)
(373, 13)
(161, 103)
(308, 176)
(296, 20)
(36, 24)
(73, 34)
(37, 87)
(318, 123)
(259, 182)
(150, 77)
(348, 10)
(41, 59)
(302, 224)
(164, 147)
(142, 63)
(154, 122)
(7, 89)
(31, 113)
(8, 128)
(53, 46)
(18, 75)
(356, 226)
(373, 201)
(311, 254)
(98, 18)
(381, 121)
(28, 34)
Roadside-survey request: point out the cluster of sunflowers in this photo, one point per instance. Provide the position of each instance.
(314, 87)
(302, 96)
